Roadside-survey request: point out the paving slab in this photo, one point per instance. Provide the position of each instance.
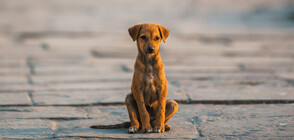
(241, 121)
(235, 83)
(42, 113)
(13, 79)
(83, 86)
(72, 41)
(21, 52)
(14, 71)
(12, 62)
(80, 97)
(175, 92)
(78, 69)
(26, 129)
(239, 127)
(90, 97)
(221, 76)
(16, 88)
(249, 93)
(199, 69)
(16, 99)
(117, 113)
(204, 60)
(82, 78)
(56, 60)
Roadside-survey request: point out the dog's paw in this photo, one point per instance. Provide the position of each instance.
(167, 127)
(132, 130)
(147, 130)
(159, 130)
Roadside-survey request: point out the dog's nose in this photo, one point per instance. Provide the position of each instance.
(150, 50)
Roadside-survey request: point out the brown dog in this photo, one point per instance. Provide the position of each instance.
(146, 103)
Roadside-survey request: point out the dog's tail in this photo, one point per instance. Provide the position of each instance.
(114, 126)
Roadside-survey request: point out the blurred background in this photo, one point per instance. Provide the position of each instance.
(191, 16)
(54, 51)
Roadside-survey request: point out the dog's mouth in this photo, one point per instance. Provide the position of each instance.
(150, 53)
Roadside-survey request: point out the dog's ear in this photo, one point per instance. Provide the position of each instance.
(163, 32)
(134, 31)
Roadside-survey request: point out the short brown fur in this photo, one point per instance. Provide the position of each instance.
(146, 104)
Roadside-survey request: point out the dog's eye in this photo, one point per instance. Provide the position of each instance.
(143, 37)
(156, 38)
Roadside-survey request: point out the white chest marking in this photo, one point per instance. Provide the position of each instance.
(150, 79)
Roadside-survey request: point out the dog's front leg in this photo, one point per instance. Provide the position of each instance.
(144, 115)
(160, 115)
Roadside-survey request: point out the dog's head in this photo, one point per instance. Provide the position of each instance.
(148, 36)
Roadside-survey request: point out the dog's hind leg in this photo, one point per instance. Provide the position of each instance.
(171, 109)
(133, 113)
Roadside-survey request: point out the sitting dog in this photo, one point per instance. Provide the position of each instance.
(146, 104)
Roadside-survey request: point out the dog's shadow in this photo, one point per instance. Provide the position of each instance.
(117, 131)
(111, 131)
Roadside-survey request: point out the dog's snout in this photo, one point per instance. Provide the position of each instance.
(150, 49)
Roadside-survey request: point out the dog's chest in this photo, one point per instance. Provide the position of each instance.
(150, 83)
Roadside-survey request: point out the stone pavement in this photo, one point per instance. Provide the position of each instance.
(66, 65)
